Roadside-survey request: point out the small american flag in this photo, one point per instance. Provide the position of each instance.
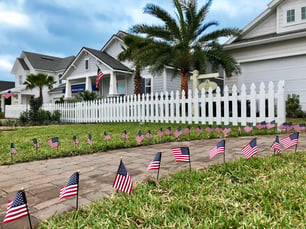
(209, 129)
(35, 142)
(139, 137)
(187, 130)
(123, 181)
(219, 129)
(289, 126)
(178, 132)
(16, 208)
(199, 130)
(181, 154)
(291, 140)
(250, 149)
(149, 135)
(125, 135)
(106, 136)
(99, 77)
(155, 164)
(299, 127)
(271, 125)
(227, 129)
(239, 130)
(276, 145)
(283, 126)
(160, 132)
(8, 94)
(71, 189)
(75, 140)
(168, 131)
(89, 140)
(53, 142)
(248, 128)
(13, 149)
(261, 125)
(218, 149)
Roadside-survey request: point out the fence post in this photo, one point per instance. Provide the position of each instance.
(218, 105)
(226, 106)
(253, 103)
(210, 107)
(262, 103)
(172, 107)
(203, 118)
(281, 103)
(196, 105)
(243, 105)
(271, 101)
(234, 105)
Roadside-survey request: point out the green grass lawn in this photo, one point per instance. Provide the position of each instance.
(267, 192)
(22, 138)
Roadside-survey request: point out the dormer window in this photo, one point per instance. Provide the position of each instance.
(303, 13)
(86, 64)
(290, 15)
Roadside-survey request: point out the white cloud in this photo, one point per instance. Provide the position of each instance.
(6, 62)
(12, 17)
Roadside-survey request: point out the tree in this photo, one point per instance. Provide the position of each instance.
(86, 96)
(184, 42)
(39, 80)
(132, 45)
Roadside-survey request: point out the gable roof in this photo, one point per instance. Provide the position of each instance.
(108, 60)
(119, 35)
(4, 85)
(45, 62)
(23, 64)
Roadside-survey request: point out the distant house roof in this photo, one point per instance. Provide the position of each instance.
(109, 60)
(45, 62)
(4, 85)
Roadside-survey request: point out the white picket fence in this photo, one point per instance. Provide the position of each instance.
(203, 107)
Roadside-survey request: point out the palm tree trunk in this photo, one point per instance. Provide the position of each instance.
(184, 82)
(41, 94)
(137, 82)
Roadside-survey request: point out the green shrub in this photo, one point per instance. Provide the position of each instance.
(56, 116)
(1, 115)
(43, 117)
(24, 118)
(293, 107)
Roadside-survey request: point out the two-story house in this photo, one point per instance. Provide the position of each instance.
(273, 48)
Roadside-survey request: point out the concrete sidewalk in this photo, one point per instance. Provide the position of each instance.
(42, 180)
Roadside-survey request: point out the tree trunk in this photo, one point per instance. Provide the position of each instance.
(41, 94)
(184, 82)
(137, 82)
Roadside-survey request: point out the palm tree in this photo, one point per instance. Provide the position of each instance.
(132, 45)
(184, 42)
(86, 96)
(39, 80)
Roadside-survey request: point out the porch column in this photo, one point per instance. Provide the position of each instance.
(2, 103)
(113, 84)
(19, 98)
(68, 90)
(88, 86)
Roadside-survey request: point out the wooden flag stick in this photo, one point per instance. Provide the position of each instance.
(189, 160)
(295, 148)
(159, 166)
(29, 217)
(224, 154)
(77, 197)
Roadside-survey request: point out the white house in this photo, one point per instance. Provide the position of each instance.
(118, 76)
(33, 63)
(273, 48)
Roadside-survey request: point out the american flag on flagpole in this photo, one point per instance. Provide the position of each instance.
(219, 129)
(248, 128)
(187, 130)
(13, 149)
(299, 127)
(106, 136)
(89, 140)
(160, 132)
(178, 132)
(75, 140)
(71, 189)
(125, 135)
(199, 130)
(123, 181)
(16, 208)
(53, 142)
(139, 137)
(218, 149)
(291, 140)
(271, 125)
(276, 145)
(99, 77)
(35, 142)
(250, 149)
(181, 154)
(283, 126)
(149, 135)
(261, 125)
(8, 94)
(155, 163)
(289, 126)
(227, 129)
(209, 129)
(168, 131)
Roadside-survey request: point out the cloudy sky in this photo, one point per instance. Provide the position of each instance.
(62, 27)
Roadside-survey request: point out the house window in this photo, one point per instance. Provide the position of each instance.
(121, 87)
(20, 80)
(303, 13)
(86, 64)
(148, 85)
(290, 15)
(59, 79)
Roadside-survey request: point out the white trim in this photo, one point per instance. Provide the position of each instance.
(165, 80)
